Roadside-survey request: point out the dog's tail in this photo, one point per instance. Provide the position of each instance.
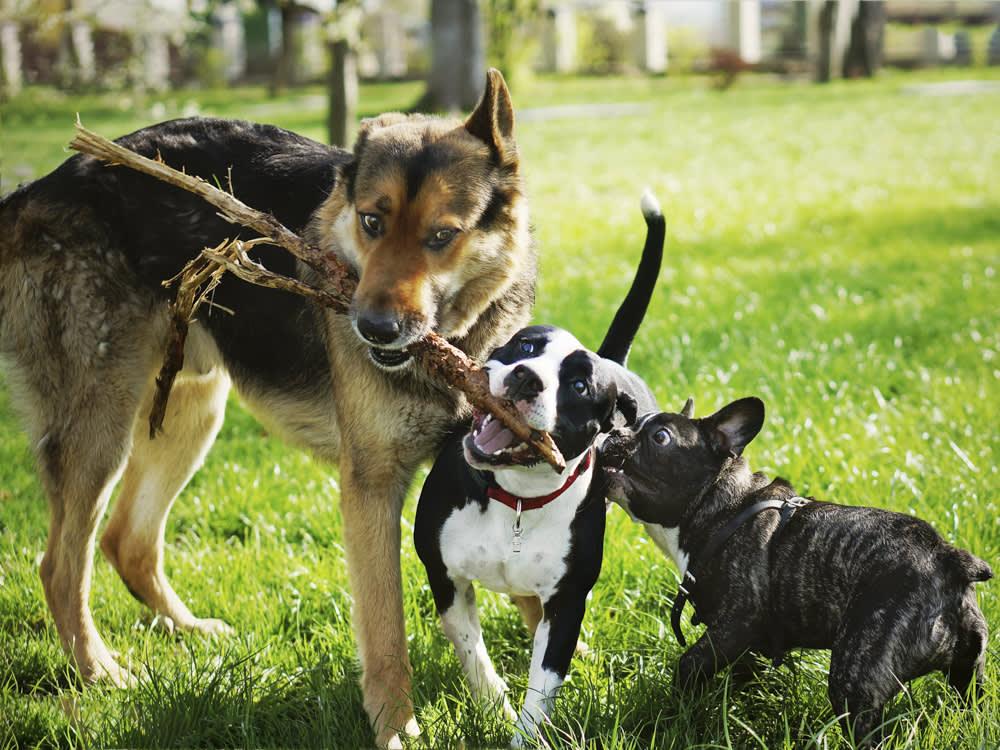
(618, 340)
(970, 569)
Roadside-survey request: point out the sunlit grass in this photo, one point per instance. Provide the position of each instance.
(832, 250)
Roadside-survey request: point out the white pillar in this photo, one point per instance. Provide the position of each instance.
(651, 33)
(155, 61)
(559, 44)
(745, 29)
(83, 51)
(846, 10)
(10, 57)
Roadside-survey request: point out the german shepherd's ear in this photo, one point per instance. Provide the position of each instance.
(493, 119)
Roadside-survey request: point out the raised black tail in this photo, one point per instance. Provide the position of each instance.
(618, 340)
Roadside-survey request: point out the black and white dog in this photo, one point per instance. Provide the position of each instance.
(491, 511)
(767, 570)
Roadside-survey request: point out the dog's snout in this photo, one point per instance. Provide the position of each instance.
(379, 328)
(523, 384)
(617, 447)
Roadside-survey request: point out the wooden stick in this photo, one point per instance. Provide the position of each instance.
(434, 353)
(235, 211)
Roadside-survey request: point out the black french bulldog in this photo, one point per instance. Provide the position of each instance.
(767, 570)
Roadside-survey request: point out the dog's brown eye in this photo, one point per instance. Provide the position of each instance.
(662, 436)
(372, 224)
(441, 238)
(580, 386)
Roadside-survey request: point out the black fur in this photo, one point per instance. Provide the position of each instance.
(883, 590)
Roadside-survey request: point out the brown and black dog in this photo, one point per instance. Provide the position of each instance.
(431, 214)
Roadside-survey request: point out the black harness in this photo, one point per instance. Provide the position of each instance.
(787, 508)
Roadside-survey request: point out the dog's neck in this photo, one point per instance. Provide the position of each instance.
(710, 508)
(539, 480)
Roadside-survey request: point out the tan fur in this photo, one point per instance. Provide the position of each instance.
(81, 346)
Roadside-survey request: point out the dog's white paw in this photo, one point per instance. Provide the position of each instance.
(211, 626)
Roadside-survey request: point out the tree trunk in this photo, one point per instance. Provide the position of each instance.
(343, 84)
(864, 53)
(284, 70)
(827, 23)
(458, 63)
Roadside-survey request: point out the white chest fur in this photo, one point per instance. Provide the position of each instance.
(668, 540)
(479, 546)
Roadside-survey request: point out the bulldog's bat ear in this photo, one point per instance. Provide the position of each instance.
(628, 407)
(611, 402)
(688, 410)
(734, 426)
(493, 119)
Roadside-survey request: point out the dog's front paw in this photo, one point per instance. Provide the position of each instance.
(692, 671)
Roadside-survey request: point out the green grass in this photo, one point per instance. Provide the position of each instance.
(831, 249)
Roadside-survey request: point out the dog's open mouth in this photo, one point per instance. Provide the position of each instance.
(389, 359)
(492, 443)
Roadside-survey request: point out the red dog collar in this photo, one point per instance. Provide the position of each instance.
(531, 503)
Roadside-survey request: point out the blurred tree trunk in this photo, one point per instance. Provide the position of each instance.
(864, 53)
(284, 69)
(458, 64)
(827, 23)
(343, 83)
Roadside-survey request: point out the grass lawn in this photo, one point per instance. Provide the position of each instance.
(833, 250)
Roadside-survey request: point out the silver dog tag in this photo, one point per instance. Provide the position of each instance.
(517, 529)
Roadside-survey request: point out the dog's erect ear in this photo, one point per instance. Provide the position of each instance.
(688, 410)
(628, 407)
(612, 399)
(493, 119)
(734, 426)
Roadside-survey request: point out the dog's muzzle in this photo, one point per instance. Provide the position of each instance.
(389, 359)
(380, 331)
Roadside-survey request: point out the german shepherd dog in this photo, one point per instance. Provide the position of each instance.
(431, 214)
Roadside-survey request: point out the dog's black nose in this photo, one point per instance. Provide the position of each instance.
(379, 328)
(523, 384)
(617, 447)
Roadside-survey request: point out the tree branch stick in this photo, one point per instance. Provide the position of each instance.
(433, 353)
(233, 210)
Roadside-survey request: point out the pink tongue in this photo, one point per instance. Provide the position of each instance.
(493, 437)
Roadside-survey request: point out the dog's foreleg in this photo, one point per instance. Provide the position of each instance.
(372, 494)
(157, 471)
(460, 623)
(555, 641)
(709, 654)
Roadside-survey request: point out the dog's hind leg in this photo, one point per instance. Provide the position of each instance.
(866, 672)
(531, 610)
(968, 657)
(80, 460)
(157, 470)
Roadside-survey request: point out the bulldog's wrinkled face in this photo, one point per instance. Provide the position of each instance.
(656, 470)
(556, 384)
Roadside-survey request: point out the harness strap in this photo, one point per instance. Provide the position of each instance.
(787, 507)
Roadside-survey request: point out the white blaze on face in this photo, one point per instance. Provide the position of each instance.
(540, 413)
